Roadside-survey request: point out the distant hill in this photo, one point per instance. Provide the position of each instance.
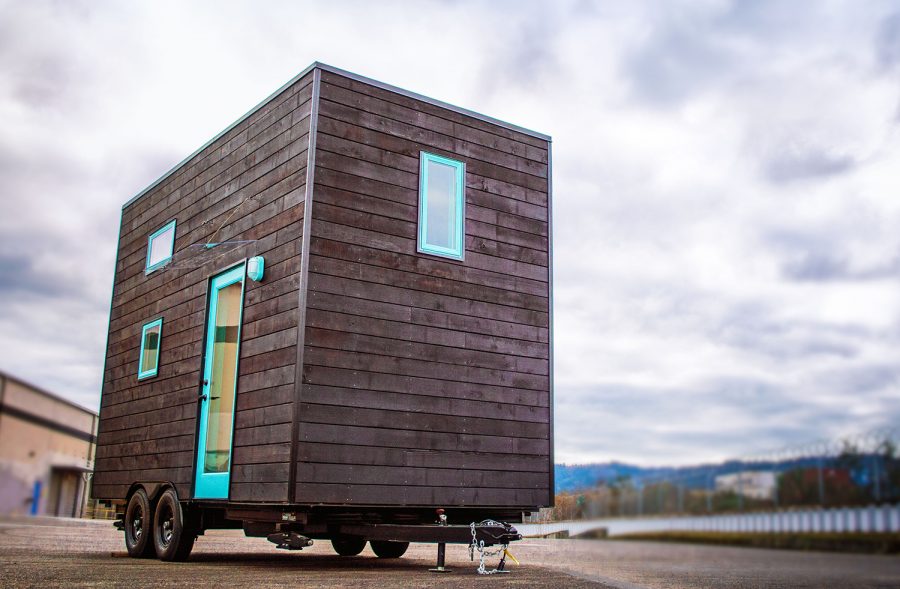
(576, 477)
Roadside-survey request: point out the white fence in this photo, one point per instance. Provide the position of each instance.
(885, 518)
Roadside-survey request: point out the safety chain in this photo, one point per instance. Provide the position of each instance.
(487, 552)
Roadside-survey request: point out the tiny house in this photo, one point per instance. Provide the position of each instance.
(333, 317)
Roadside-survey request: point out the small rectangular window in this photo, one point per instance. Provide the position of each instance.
(442, 206)
(151, 336)
(160, 245)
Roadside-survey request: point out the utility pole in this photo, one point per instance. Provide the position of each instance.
(775, 481)
(640, 504)
(821, 461)
(876, 476)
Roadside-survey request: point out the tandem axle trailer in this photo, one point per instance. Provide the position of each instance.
(157, 524)
(333, 322)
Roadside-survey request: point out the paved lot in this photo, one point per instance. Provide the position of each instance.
(654, 565)
(57, 553)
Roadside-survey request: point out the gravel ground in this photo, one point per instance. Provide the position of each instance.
(64, 553)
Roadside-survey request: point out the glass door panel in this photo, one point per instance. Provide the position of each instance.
(219, 384)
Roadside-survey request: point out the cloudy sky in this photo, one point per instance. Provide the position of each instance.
(726, 194)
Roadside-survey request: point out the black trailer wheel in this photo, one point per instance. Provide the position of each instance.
(388, 549)
(348, 545)
(172, 537)
(138, 525)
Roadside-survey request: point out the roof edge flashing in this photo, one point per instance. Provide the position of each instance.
(344, 73)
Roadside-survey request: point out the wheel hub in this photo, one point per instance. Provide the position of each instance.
(137, 525)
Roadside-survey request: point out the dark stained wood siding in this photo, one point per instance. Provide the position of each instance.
(249, 184)
(426, 381)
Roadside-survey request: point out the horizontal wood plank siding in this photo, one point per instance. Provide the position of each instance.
(425, 380)
(248, 185)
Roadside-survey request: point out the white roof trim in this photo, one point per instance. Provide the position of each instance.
(345, 74)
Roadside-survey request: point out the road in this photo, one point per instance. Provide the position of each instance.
(64, 553)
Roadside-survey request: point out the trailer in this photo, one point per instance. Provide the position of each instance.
(333, 321)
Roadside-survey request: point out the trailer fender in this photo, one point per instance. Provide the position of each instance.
(153, 489)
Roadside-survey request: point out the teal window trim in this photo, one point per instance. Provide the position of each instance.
(150, 268)
(459, 230)
(216, 485)
(147, 373)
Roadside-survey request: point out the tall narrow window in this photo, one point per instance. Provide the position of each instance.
(151, 335)
(160, 245)
(442, 206)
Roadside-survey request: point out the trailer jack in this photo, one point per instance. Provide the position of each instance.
(441, 560)
(289, 540)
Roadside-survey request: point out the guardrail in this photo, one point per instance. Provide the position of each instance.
(884, 518)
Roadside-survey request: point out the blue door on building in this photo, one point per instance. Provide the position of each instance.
(220, 370)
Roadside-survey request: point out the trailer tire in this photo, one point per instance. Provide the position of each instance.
(173, 537)
(388, 549)
(348, 545)
(139, 526)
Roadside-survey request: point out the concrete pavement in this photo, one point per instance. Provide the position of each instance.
(65, 553)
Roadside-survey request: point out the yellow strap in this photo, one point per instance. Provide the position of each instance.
(509, 554)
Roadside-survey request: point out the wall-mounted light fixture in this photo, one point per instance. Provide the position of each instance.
(255, 268)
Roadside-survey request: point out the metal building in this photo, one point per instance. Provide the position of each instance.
(47, 447)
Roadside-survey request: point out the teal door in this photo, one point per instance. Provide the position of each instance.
(223, 337)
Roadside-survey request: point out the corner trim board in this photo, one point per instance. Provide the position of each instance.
(552, 402)
(302, 287)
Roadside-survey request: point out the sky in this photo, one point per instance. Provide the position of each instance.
(725, 188)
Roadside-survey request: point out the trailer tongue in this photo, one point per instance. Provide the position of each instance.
(479, 537)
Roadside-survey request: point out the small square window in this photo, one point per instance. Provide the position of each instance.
(442, 206)
(151, 337)
(160, 245)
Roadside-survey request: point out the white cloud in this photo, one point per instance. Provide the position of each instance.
(726, 251)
